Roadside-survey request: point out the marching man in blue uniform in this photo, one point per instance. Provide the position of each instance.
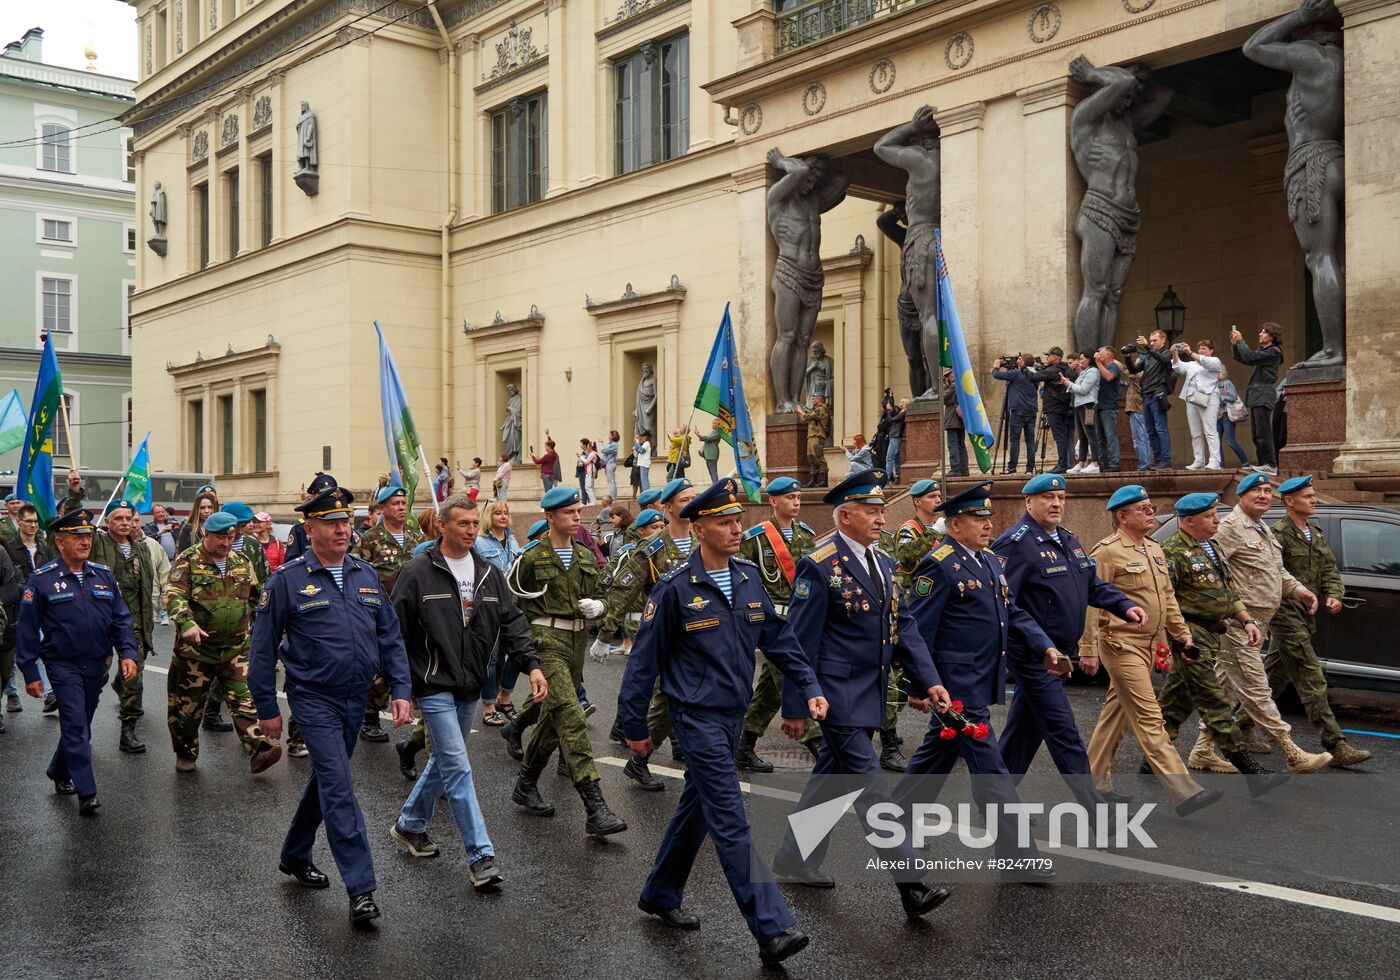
(702, 623)
(340, 631)
(71, 616)
(850, 617)
(962, 603)
(1053, 580)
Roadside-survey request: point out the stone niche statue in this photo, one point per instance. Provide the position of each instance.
(513, 424)
(157, 242)
(819, 374)
(644, 412)
(1308, 45)
(808, 188)
(307, 176)
(1102, 136)
(914, 148)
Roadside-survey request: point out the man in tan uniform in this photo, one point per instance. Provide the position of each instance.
(1254, 559)
(1131, 560)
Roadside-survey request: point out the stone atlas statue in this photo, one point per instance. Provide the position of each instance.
(1307, 45)
(1102, 136)
(893, 224)
(644, 412)
(913, 147)
(808, 188)
(511, 427)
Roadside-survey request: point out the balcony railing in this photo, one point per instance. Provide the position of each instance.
(807, 23)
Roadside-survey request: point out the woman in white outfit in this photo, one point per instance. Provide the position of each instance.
(1201, 393)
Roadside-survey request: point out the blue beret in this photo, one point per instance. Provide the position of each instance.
(220, 523)
(238, 510)
(559, 497)
(536, 529)
(74, 522)
(674, 487)
(1294, 485)
(1044, 483)
(390, 492)
(867, 486)
(974, 500)
(1250, 482)
(781, 485)
(922, 488)
(1195, 503)
(646, 517)
(1131, 494)
(331, 504)
(717, 500)
(648, 497)
(122, 504)
(9, 497)
(319, 482)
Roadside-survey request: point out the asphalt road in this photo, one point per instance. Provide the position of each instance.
(178, 878)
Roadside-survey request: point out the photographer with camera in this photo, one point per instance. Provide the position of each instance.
(1020, 407)
(1202, 397)
(1259, 395)
(1154, 363)
(1057, 404)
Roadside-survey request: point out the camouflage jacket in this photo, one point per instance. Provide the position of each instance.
(540, 570)
(136, 576)
(1312, 564)
(817, 419)
(1255, 562)
(8, 532)
(1203, 587)
(757, 547)
(624, 592)
(220, 604)
(379, 548)
(912, 541)
(252, 550)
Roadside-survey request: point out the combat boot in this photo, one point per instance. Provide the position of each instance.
(370, 730)
(214, 720)
(1204, 757)
(616, 733)
(747, 758)
(638, 771)
(511, 732)
(1259, 779)
(1343, 755)
(814, 746)
(1300, 761)
(527, 792)
(129, 741)
(891, 759)
(601, 820)
(1256, 744)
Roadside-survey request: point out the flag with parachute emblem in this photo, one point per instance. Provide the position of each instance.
(722, 395)
(400, 436)
(35, 483)
(953, 354)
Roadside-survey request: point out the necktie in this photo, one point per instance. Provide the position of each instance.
(876, 579)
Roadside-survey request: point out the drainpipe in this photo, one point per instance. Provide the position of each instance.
(445, 385)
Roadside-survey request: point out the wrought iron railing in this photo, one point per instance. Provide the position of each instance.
(807, 23)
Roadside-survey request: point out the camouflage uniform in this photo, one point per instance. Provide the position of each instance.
(222, 605)
(136, 577)
(817, 419)
(1207, 600)
(379, 547)
(912, 541)
(757, 548)
(557, 627)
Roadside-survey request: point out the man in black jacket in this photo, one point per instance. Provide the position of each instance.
(1261, 396)
(1020, 409)
(1154, 363)
(28, 549)
(1057, 404)
(453, 607)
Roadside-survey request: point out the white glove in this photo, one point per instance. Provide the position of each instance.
(591, 608)
(598, 651)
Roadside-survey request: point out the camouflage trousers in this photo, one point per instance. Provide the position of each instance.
(1292, 660)
(561, 722)
(188, 687)
(378, 696)
(1193, 685)
(895, 699)
(816, 461)
(767, 701)
(129, 691)
(1240, 668)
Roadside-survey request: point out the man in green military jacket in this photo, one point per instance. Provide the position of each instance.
(116, 546)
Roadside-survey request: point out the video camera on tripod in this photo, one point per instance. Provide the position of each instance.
(1008, 361)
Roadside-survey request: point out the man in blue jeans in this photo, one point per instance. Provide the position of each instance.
(452, 606)
(1106, 411)
(1154, 363)
(1021, 406)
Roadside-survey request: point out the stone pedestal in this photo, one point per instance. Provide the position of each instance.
(157, 244)
(1317, 418)
(308, 180)
(786, 448)
(922, 453)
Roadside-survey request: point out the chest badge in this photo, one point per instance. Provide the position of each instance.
(835, 580)
(697, 603)
(311, 589)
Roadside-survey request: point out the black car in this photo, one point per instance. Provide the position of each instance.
(1352, 644)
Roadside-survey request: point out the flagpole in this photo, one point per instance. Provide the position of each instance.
(103, 516)
(72, 448)
(432, 493)
(937, 368)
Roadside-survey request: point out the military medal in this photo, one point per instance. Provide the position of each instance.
(835, 580)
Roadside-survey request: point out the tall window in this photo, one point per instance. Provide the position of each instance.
(196, 411)
(652, 109)
(57, 153)
(56, 230)
(231, 189)
(131, 159)
(519, 152)
(258, 417)
(58, 305)
(265, 179)
(201, 194)
(60, 431)
(225, 433)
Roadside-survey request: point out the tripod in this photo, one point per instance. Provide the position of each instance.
(1003, 430)
(1044, 438)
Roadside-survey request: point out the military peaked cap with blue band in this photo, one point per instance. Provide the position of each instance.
(321, 481)
(867, 486)
(331, 504)
(778, 486)
(922, 488)
(220, 522)
(646, 517)
(559, 497)
(238, 510)
(648, 497)
(536, 529)
(1195, 503)
(674, 487)
(974, 500)
(1294, 485)
(1044, 483)
(719, 499)
(1133, 493)
(389, 493)
(209, 487)
(122, 504)
(1250, 482)
(74, 522)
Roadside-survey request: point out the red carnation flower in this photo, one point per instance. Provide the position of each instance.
(969, 730)
(957, 706)
(947, 733)
(980, 731)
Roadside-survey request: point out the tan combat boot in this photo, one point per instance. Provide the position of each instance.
(1344, 755)
(1257, 744)
(1204, 757)
(1300, 761)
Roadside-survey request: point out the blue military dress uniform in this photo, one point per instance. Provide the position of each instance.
(72, 623)
(1055, 582)
(701, 645)
(337, 640)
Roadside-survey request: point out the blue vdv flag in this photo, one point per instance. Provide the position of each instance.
(953, 354)
(35, 483)
(722, 395)
(138, 478)
(400, 437)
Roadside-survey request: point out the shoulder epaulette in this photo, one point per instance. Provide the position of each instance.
(529, 546)
(1020, 532)
(98, 564)
(291, 562)
(824, 552)
(626, 547)
(753, 532)
(1110, 539)
(742, 560)
(678, 570)
(805, 527)
(652, 546)
(942, 553)
(49, 567)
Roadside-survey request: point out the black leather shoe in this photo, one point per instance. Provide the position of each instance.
(781, 947)
(814, 747)
(511, 732)
(615, 734)
(310, 875)
(89, 805)
(746, 757)
(677, 918)
(214, 722)
(801, 874)
(64, 787)
(371, 732)
(408, 753)
(363, 911)
(637, 771)
(50, 703)
(1200, 801)
(919, 900)
(1145, 769)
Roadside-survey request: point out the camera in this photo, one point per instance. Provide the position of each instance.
(1127, 349)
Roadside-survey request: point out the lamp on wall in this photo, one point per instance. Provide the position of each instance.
(1171, 315)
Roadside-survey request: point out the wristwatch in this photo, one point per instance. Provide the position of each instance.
(1250, 622)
